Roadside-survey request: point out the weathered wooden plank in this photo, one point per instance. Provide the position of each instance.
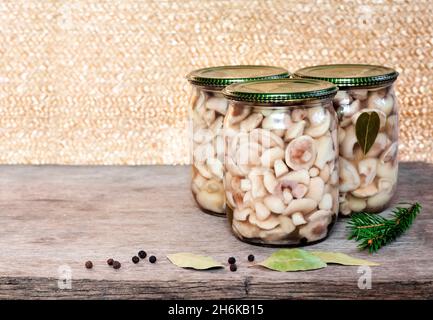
(62, 216)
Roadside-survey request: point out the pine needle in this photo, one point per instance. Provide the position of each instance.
(373, 231)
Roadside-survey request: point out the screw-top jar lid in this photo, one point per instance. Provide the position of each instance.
(223, 76)
(280, 91)
(350, 75)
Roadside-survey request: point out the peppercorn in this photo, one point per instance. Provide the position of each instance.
(251, 258)
(233, 267)
(89, 264)
(232, 260)
(152, 259)
(110, 262)
(135, 259)
(142, 254)
(116, 265)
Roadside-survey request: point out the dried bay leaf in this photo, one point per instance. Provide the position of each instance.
(367, 129)
(193, 261)
(342, 258)
(292, 260)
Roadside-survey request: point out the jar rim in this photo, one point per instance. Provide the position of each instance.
(222, 76)
(280, 91)
(350, 75)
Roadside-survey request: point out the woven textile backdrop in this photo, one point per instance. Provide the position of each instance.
(102, 82)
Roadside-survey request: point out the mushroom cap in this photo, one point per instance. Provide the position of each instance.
(216, 167)
(218, 104)
(242, 215)
(198, 180)
(316, 189)
(231, 167)
(298, 219)
(266, 138)
(349, 177)
(274, 204)
(269, 156)
(295, 130)
(245, 229)
(348, 144)
(390, 154)
(299, 176)
(299, 191)
(277, 120)
(348, 110)
(365, 192)
(251, 122)
(367, 170)
(299, 114)
(380, 200)
(320, 120)
(280, 168)
(325, 151)
(246, 151)
(304, 205)
(270, 182)
(237, 114)
(266, 224)
(203, 152)
(342, 98)
(211, 196)
(356, 204)
(202, 169)
(387, 170)
(317, 226)
(301, 153)
(391, 127)
(380, 100)
(326, 202)
(261, 211)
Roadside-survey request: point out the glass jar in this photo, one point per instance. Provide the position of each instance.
(368, 176)
(207, 110)
(281, 174)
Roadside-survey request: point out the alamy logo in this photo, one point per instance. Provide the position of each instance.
(364, 281)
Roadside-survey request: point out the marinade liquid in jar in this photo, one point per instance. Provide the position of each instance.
(368, 167)
(281, 174)
(207, 111)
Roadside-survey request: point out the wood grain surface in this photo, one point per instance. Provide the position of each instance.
(57, 216)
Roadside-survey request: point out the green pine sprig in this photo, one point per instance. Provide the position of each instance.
(373, 231)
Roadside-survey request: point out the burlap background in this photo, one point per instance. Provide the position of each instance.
(102, 82)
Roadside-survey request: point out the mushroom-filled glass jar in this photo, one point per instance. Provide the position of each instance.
(281, 173)
(367, 109)
(207, 110)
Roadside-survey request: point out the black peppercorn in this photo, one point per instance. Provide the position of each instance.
(142, 254)
(135, 259)
(233, 267)
(89, 264)
(251, 258)
(116, 265)
(232, 260)
(110, 262)
(152, 259)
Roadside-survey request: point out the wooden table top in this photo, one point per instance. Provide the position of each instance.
(54, 218)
